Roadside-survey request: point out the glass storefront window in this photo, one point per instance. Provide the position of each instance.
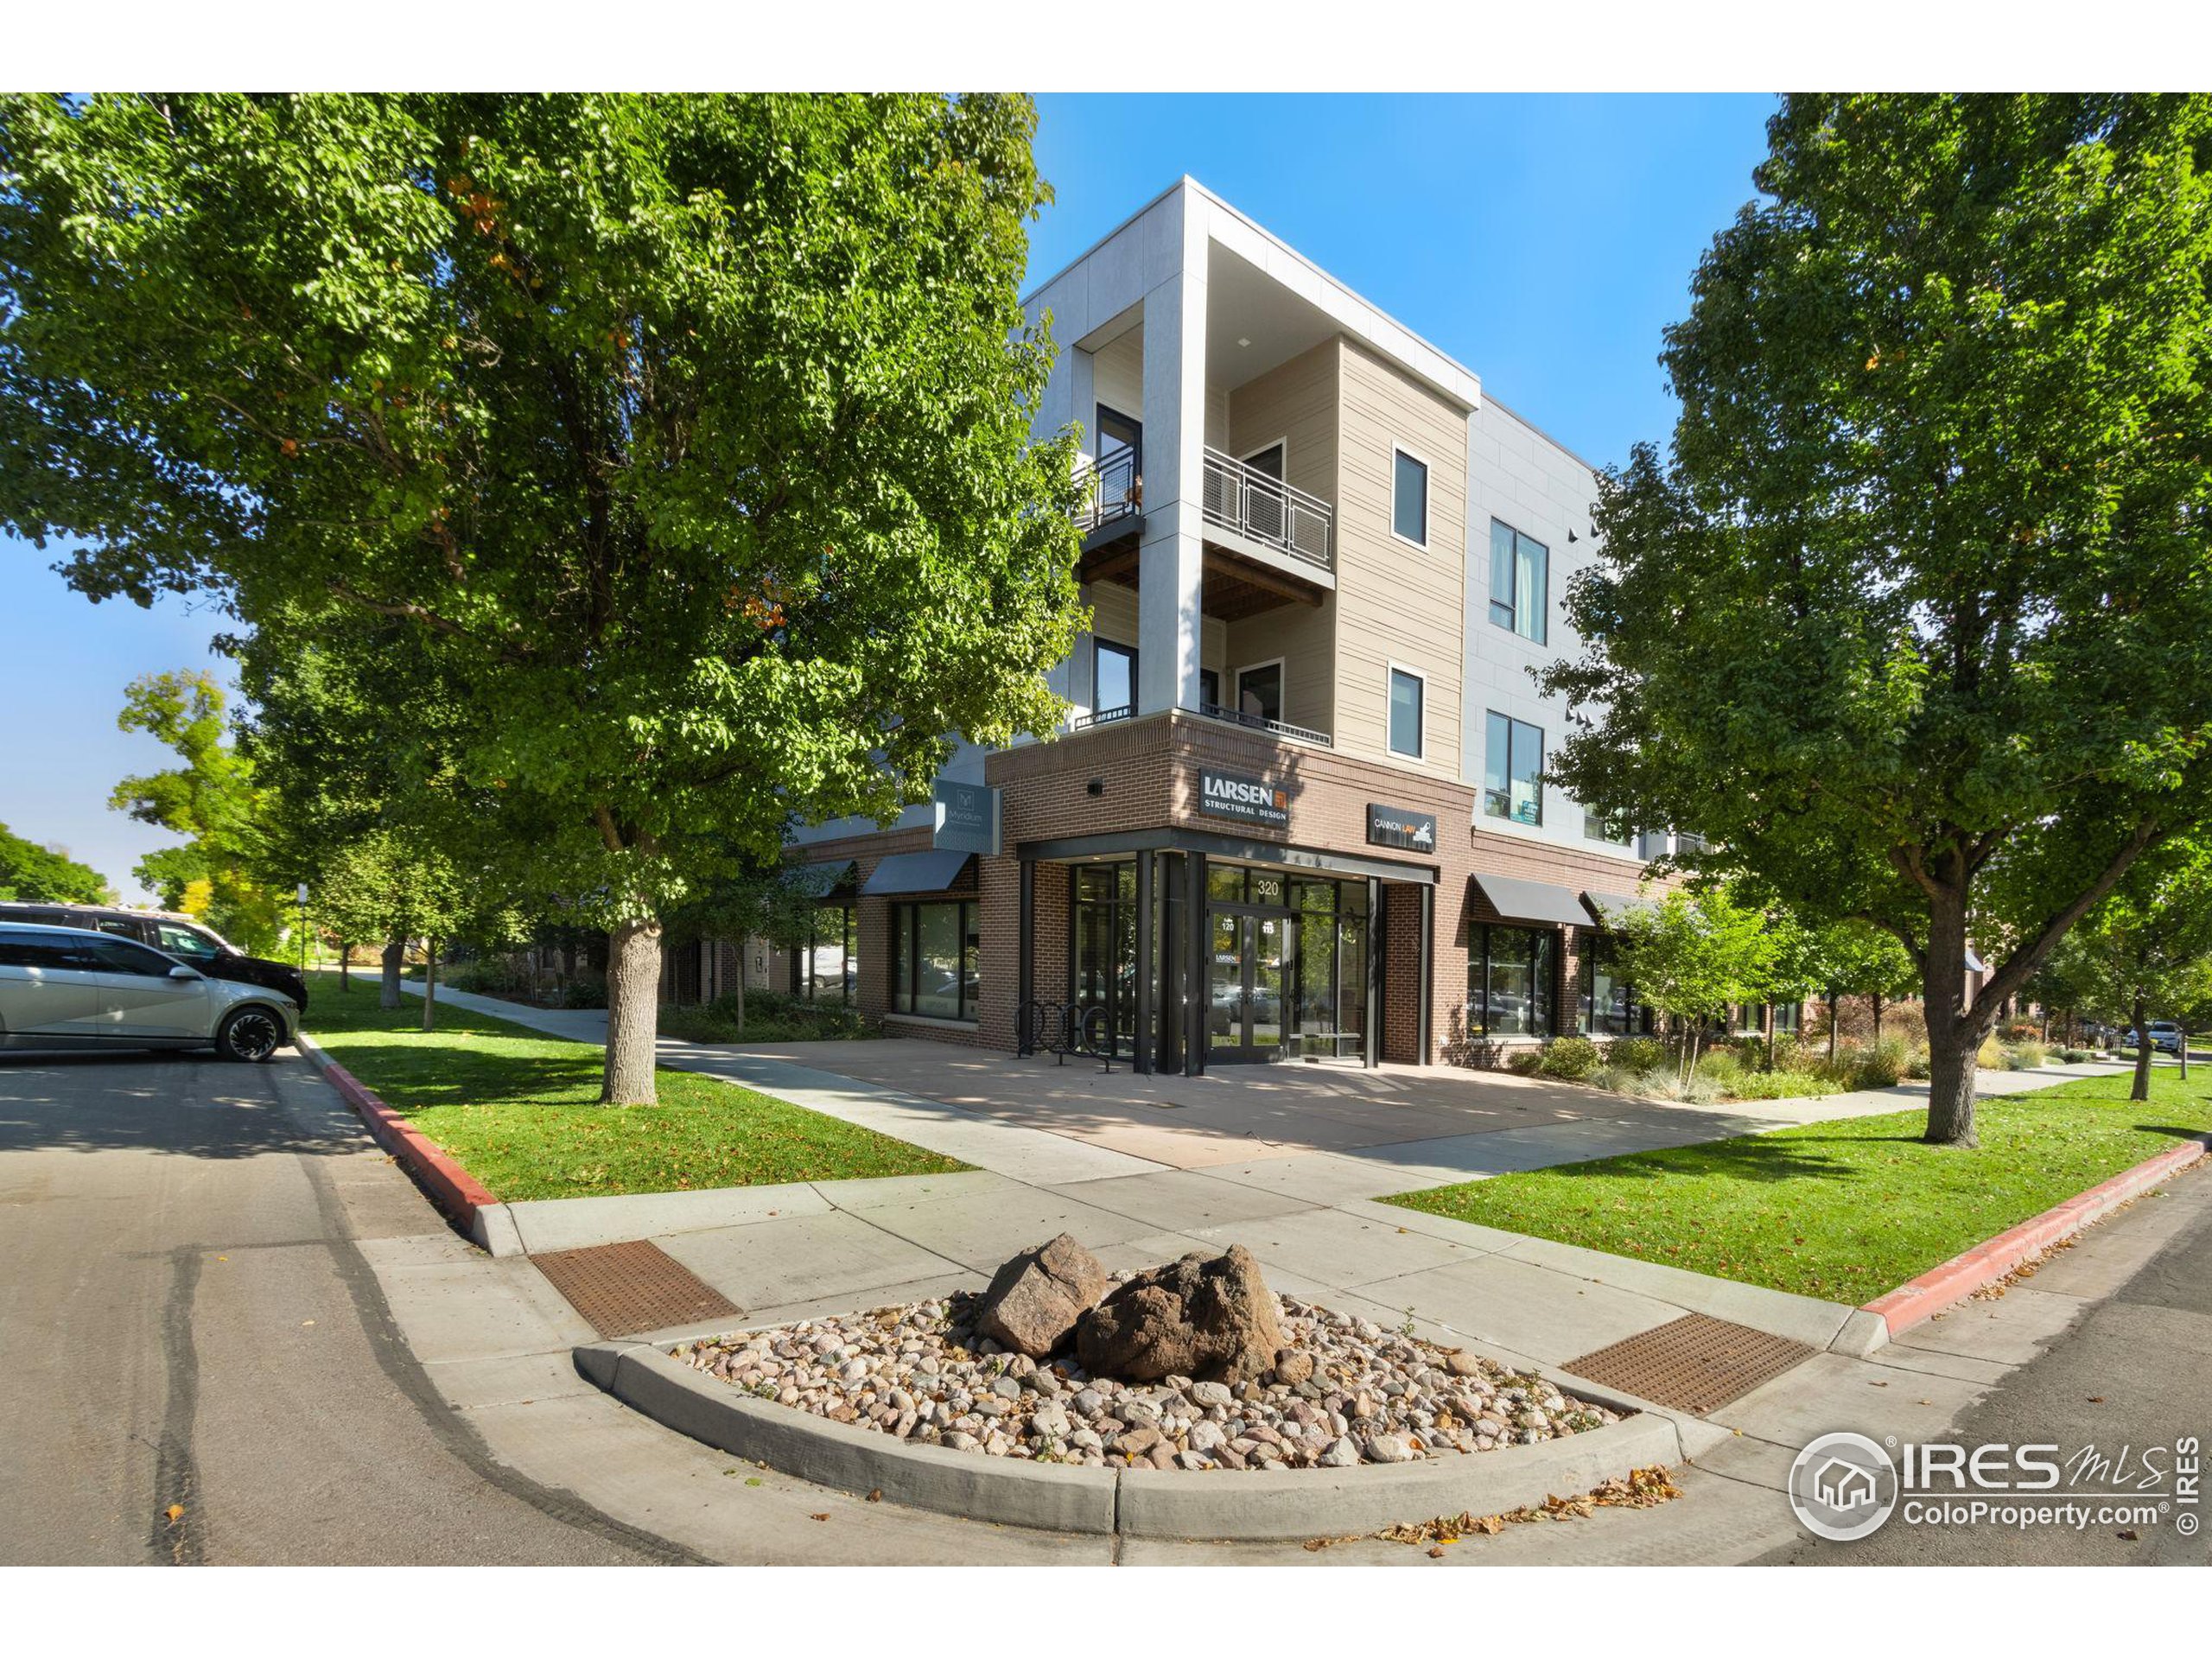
(1226, 882)
(828, 966)
(1106, 945)
(1510, 974)
(1608, 1004)
(933, 966)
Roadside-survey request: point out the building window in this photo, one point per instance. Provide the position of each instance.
(1406, 695)
(1519, 582)
(1409, 499)
(1608, 1004)
(1511, 972)
(1113, 680)
(1512, 762)
(1788, 1019)
(1613, 831)
(1105, 957)
(933, 950)
(1210, 687)
(827, 970)
(1259, 691)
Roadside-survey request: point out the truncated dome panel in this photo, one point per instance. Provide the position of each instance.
(1696, 1363)
(624, 1289)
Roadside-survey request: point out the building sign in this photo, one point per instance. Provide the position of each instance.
(967, 818)
(1249, 800)
(1393, 826)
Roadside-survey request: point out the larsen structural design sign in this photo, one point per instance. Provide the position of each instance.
(1249, 800)
(967, 818)
(1395, 826)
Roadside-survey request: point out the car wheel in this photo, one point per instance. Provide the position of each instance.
(249, 1034)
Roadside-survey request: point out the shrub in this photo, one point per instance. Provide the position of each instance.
(1917, 1068)
(1524, 1062)
(1723, 1069)
(1990, 1057)
(1636, 1053)
(586, 989)
(2022, 1031)
(1854, 1021)
(1879, 1066)
(2026, 1054)
(770, 1017)
(1785, 1085)
(1619, 1080)
(1571, 1058)
(1792, 1055)
(2076, 1055)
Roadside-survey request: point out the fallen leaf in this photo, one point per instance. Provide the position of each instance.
(2096, 1399)
(824, 1516)
(1436, 1553)
(2130, 1534)
(175, 1513)
(876, 1497)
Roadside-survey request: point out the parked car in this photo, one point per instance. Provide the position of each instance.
(76, 987)
(180, 936)
(2166, 1036)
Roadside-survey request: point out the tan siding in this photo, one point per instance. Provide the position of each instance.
(1116, 380)
(1295, 402)
(1397, 603)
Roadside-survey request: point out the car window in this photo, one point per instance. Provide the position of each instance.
(118, 925)
(122, 957)
(47, 950)
(183, 942)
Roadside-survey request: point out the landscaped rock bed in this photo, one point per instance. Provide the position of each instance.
(1331, 1391)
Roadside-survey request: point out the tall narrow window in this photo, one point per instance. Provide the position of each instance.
(1519, 582)
(1410, 498)
(1405, 691)
(1113, 681)
(934, 951)
(1512, 762)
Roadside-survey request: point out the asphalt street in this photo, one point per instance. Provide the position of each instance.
(2134, 1371)
(201, 1365)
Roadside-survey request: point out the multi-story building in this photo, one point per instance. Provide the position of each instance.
(1295, 810)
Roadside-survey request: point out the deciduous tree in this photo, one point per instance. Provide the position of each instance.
(688, 435)
(1922, 593)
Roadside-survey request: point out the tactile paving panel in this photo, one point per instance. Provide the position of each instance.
(624, 1289)
(1696, 1363)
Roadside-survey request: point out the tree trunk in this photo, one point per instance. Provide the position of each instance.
(1954, 1030)
(429, 982)
(1877, 1018)
(741, 987)
(395, 952)
(1831, 1002)
(344, 962)
(2141, 1091)
(632, 1013)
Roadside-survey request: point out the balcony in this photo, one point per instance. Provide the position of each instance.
(1113, 490)
(1263, 510)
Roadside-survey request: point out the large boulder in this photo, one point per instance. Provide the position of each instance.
(1035, 1299)
(1212, 1318)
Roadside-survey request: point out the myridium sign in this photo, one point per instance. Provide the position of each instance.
(1249, 800)
(967, 818)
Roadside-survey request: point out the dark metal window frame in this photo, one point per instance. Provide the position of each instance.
(906, 959)
(1510, 605)
(1544, 978)
(1514, 728)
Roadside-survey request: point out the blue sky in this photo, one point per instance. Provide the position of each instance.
(1543, 241)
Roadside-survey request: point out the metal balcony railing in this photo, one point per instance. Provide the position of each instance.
(1113, 488)
(1260, 723)
(1276, 515)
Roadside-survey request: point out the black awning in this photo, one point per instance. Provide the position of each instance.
(1531, 901)
(1603, 905)
(934, 871)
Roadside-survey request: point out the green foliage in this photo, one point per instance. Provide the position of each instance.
(1879, 1065)
(210, 798)
(36, 874)
(1636, 1053)
(684, 439)
(1571, 1058)
(516, 1109)
(1843, 1211)
(1690, 954)
(1722, 1068)
(2025, 1055)
(1525, 1062)
(767, 1017)
(1915, 621)
(1785, 1085)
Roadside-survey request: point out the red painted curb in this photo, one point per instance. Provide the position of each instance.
(455, 1191)
(1990, 1260)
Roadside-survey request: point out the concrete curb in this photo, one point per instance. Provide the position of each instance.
(1139, 1503)
(451, 1188)
(1988, 1262)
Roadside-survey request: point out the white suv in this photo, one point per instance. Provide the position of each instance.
(69, 987)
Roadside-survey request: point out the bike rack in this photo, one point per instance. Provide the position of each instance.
(1064, 1029)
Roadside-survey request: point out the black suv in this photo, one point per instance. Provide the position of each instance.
(180, 936)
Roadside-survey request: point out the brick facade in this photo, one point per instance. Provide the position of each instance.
(1146, 773)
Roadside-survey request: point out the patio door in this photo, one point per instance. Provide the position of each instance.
(1249, 968)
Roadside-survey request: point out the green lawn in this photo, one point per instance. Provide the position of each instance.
(1845, 1211)
(518, 1109)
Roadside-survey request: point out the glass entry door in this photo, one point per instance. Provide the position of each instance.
(1248, 967)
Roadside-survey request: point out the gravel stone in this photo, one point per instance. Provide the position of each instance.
(1343, 1392)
